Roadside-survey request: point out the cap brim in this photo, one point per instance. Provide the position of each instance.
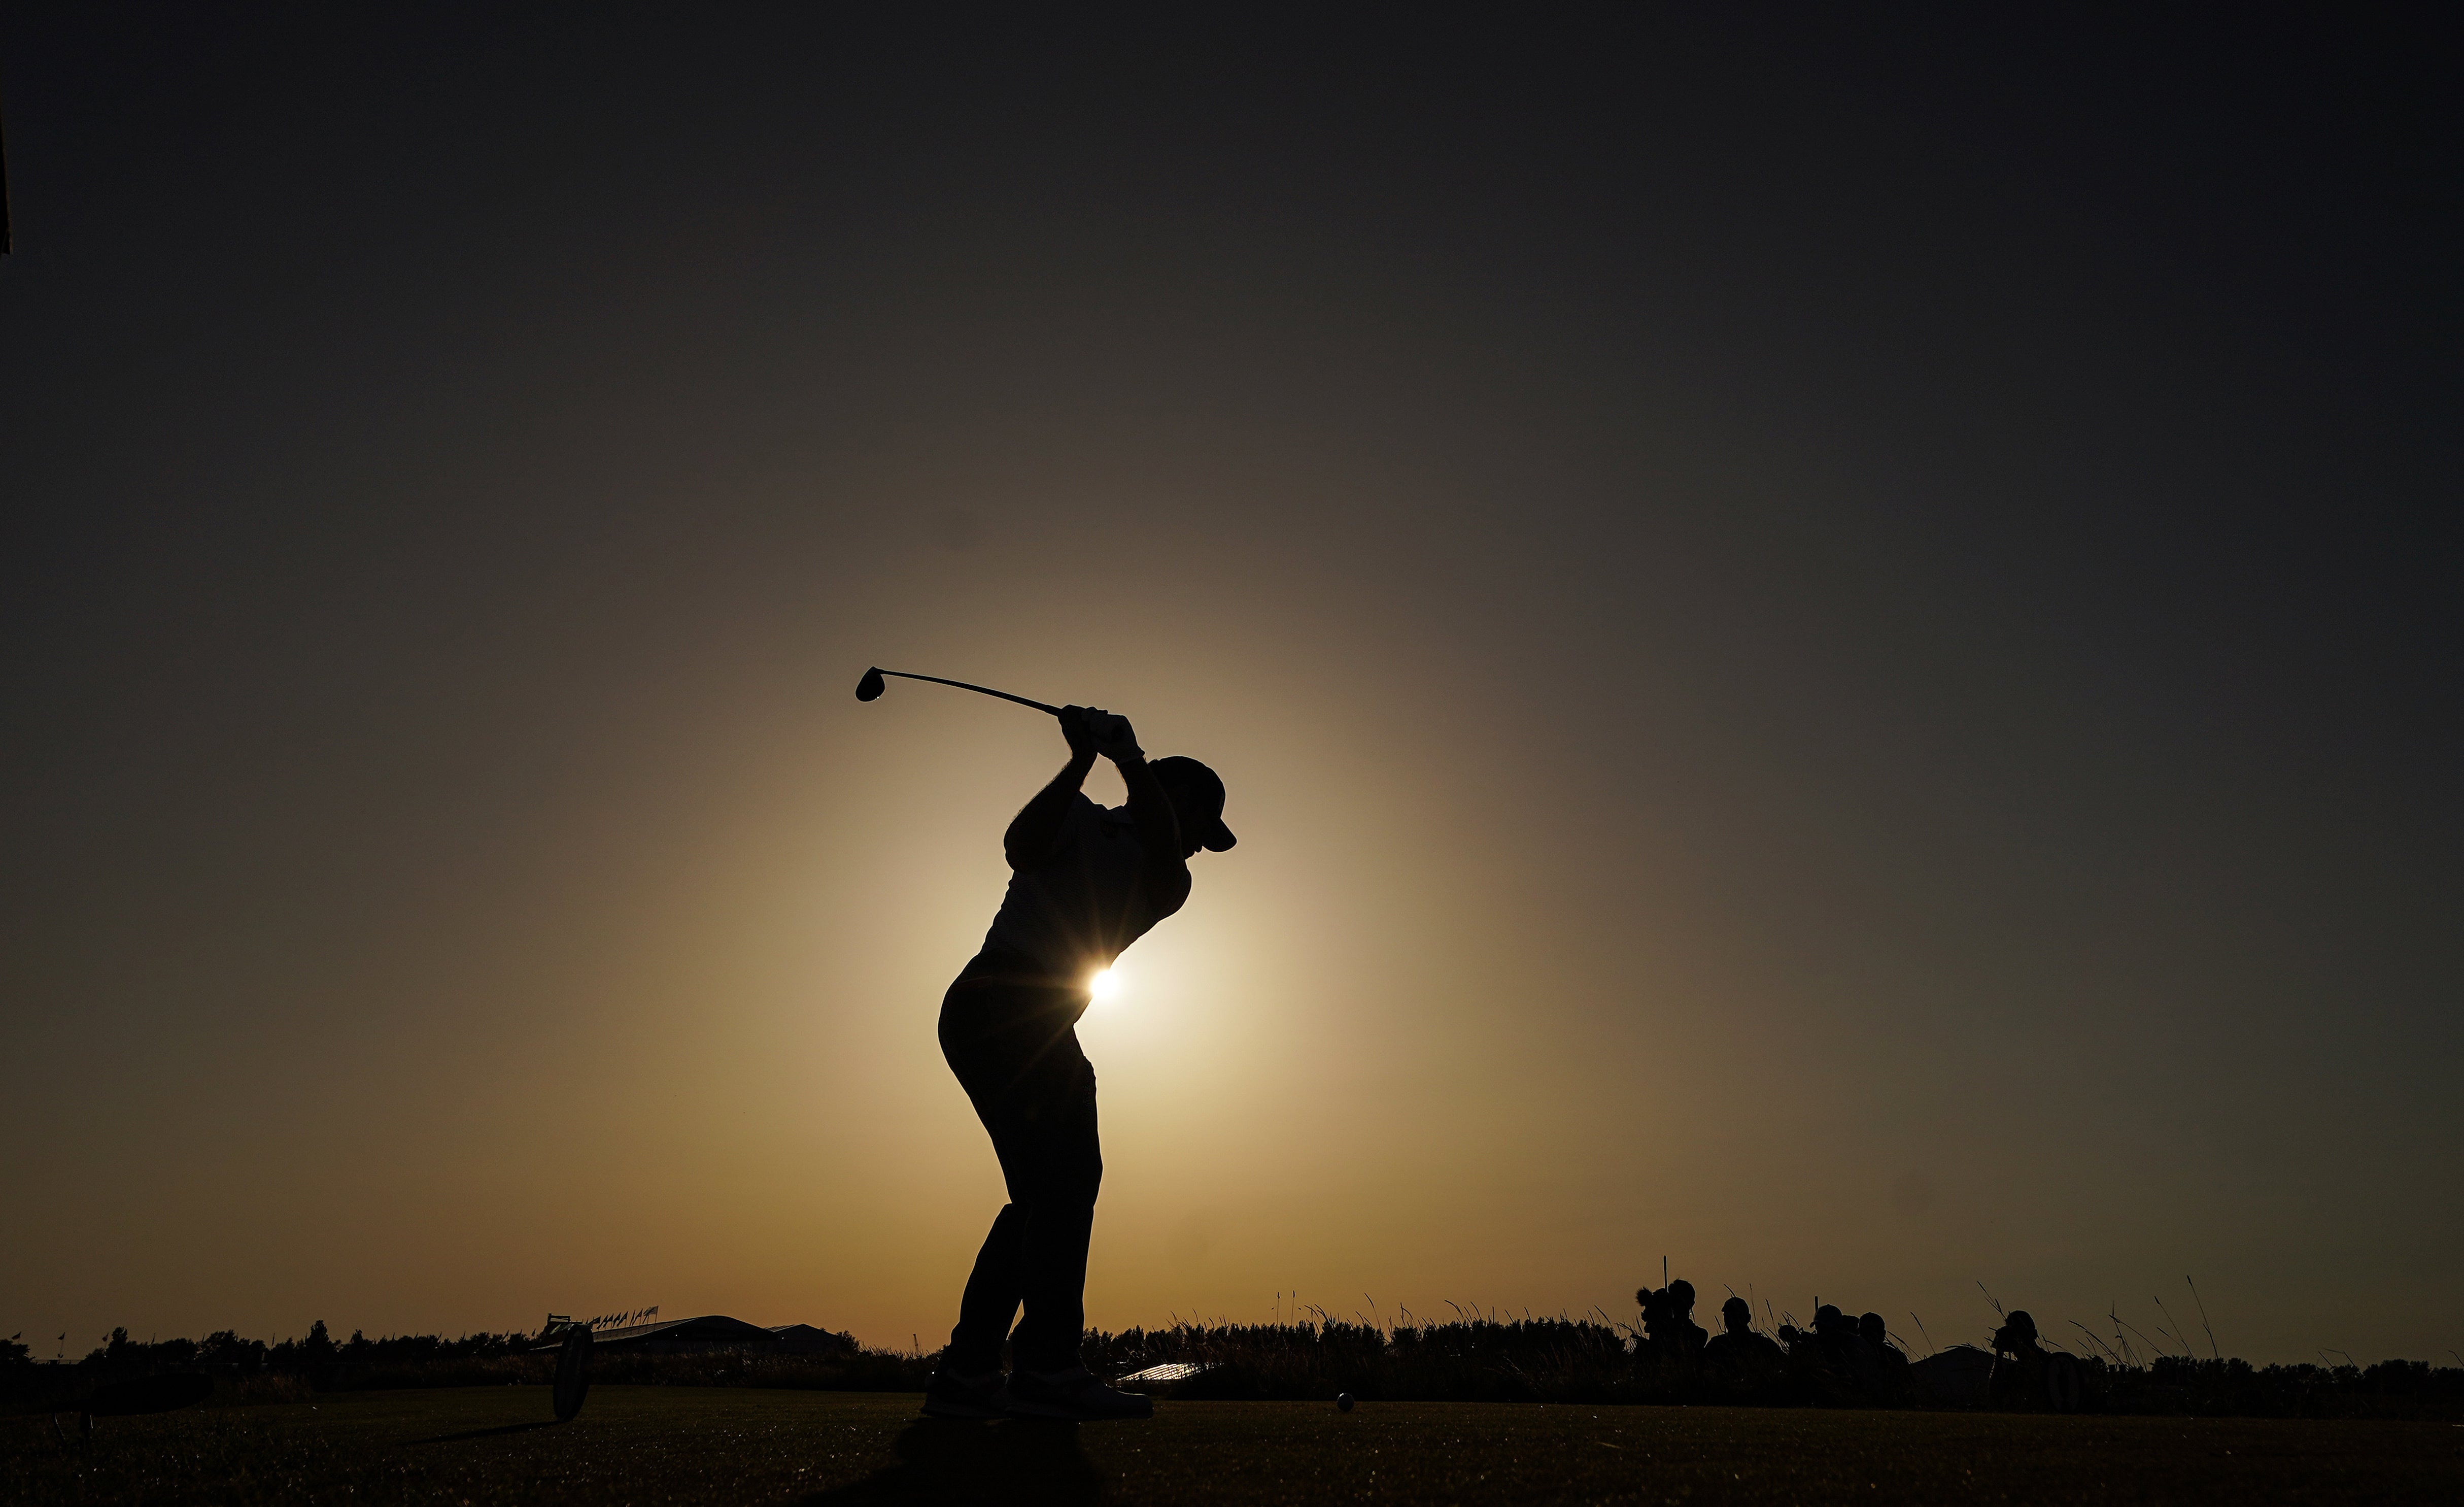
(1219, 839)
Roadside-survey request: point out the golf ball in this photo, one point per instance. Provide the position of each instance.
(1343, 1402)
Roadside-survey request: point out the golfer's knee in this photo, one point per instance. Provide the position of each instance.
(1073, 1192)
(1070, 1189)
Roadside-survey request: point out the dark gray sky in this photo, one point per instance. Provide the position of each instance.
(1833, 635)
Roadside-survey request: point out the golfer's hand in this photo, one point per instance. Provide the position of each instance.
(1075, 727)
(1114, 739)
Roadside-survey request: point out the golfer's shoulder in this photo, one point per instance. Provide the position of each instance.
(1083, 819)
(1070, 834)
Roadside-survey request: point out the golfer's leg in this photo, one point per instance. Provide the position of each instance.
(991, 1300)
(1068, 1168)
(972, 1028)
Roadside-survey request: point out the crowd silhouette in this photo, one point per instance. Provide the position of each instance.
(1838, 1359)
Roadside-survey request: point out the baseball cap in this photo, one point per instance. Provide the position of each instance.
(1186, 772)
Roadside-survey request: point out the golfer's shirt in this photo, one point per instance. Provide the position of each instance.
(1074, 912)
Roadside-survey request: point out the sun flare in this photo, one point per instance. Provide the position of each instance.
(1104, 984)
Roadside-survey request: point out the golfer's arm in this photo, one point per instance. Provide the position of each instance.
(1036, 829)
(1158, 824)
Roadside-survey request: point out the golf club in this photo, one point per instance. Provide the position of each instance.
(869, 688)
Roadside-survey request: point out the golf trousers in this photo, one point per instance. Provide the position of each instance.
(1009, 1033)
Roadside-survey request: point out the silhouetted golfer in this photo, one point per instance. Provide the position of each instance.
(1085, 883)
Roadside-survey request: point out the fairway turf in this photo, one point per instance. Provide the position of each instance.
(654, 1445)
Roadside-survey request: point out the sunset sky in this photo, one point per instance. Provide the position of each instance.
(1834, 638)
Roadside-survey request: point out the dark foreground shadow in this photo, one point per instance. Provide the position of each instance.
(487, 1433)
(1015, 1462)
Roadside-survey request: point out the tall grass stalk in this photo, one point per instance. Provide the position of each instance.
(2176, 1335)
(2214, 1353)
(2153, 1347)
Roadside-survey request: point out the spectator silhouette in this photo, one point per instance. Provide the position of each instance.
(2018, 1363)
(1741, 1364)
(2026, 1375)
(1891, 1363)
(1832, 1364)
(1671, 1337)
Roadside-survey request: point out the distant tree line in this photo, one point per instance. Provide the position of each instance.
(1473, 1358)
(225, 1352)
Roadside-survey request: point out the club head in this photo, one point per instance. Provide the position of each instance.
(871, 687)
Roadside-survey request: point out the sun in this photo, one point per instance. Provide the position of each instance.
(1104, 984)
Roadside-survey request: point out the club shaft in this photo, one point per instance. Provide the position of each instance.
(980, 690)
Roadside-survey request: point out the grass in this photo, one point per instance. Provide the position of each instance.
(679, 1445)
(1472, 1359)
